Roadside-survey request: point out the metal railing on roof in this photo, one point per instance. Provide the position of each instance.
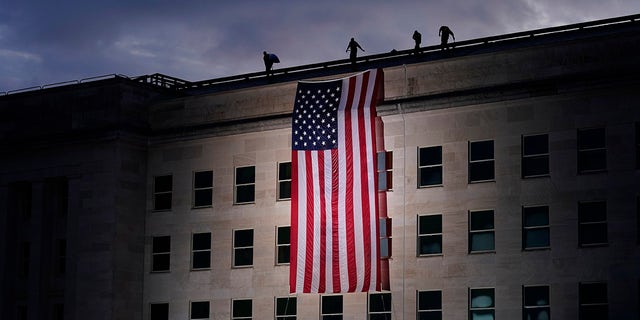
(65, 83)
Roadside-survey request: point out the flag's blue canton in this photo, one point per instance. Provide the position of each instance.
(315, 116)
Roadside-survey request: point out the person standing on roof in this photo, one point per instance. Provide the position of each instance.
(444, 36)
(269, 60)
(353, 47)
(417, 37)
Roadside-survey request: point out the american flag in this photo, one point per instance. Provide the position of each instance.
(334, 204)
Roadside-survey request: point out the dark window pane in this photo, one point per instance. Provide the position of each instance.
(334, 317)
(331, 304)
(201, 241)
(162, 201)
(536, 216)
(286, 306)
(481, 220)
(163, 183)
(284, 234)
(536, 296)
(284, 254)
(482, 241)
(159, 311)
(243, 257)
(535, 166)
(202, 259)
(482, 315)
(482, 298)
(538, 144)
(430, 176)
(285, 189)
(203, 179)
(481, 171)
(380, 302)
(430, 156)
(245, 175)
(242, 308)
(161, 262)
(200, 310)
(592, 160)
(430, 315)
(245, 193)
(430, 224)
(593, 233)
(243, 238)
(430, 244)
(481, 150)
(428, 300)
(161, 244)
(598, 312)
(591, 138)
(537, 238)
(202, 198)
(284, 171)
(537, 314)
(591, 293)
(383, 316)
(592, 211)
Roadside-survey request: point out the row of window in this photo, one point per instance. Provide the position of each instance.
(591, 157)
(536, 304)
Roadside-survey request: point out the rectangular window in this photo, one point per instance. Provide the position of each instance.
(385, 237)
(161, 254)
(56, 196)
(592, 223)
(201, 251)
(535, 155)
(159, 311)
(429, 305)
(61, 256)
(284, 180)
(429, 166)
(245, 191)
(331, 307)
(637, 145)
(162, 190)
(22, 312)
(481, 231)
(481, 161)
(199, 310)
(536, 303)
(241, 309)
(283, 244)
(380, 306)
(286, 308)
(482, 304)
(594, 303)
(25, 259)
(535, 227)
(20, 199)
(429, 234)
(592, 150)
(385, 170)
(243, 248)
(202, 189)
(57, 312)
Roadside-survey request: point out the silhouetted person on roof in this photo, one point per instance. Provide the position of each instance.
(417, 37)
(269, 60)
(353, 47)
(444, 36)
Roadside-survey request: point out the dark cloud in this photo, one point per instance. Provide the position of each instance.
(45, 42)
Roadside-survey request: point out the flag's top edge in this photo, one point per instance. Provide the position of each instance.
(330, 80)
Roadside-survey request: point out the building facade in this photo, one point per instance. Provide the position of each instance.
(514, 189)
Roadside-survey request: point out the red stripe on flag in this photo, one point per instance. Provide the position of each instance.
(323, 222)
(364, 178)
(308, 272)
(335, 254)
(293, 256)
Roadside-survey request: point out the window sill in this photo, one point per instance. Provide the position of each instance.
(429, 255)
(482, 252)
(482, 181)
(431, 186)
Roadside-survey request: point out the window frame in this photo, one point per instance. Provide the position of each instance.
(199, 301)
(430, 166)
(427, 311)
(281, 181)
(584, 224)
(236, 248)
(526, 307)
(581, 151)
(385, 169)
(332, 316)
(195, 189)
(279, 245)
(492, 160)
(582, 305)
(196, 251)
(429, 235)
(151, 304)
(492, 231)
(157, 193)
(160, 253)
(525, 157)
(470, 306)
(285, 316)
(374, 314)
(237, 185)
(637, 127)
(526, 228)
(233, 308)
(61, 256)
(386, 239)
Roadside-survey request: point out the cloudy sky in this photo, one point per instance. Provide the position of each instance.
(44, 42)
